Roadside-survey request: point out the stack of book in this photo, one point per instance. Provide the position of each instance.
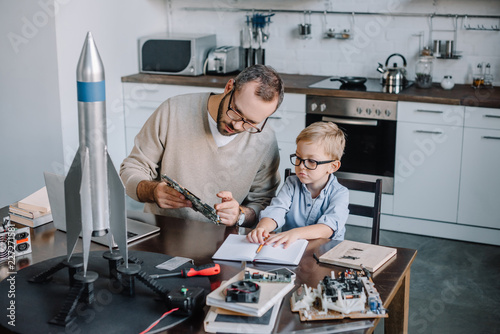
(246, 317)
(252, 317)
(33, 210)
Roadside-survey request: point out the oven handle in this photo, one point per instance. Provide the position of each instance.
(365, 122)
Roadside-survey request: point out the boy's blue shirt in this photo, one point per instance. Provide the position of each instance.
(294, 206)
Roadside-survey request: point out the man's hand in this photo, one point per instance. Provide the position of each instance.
(229, 209)
(161, 194)
(169, 198)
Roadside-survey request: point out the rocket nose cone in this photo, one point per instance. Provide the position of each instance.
(90, 68)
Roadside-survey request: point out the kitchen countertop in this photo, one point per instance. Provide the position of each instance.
(295, 83)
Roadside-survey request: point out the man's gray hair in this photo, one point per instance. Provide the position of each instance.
(270, 83)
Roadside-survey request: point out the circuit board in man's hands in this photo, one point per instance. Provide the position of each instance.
(198, 205)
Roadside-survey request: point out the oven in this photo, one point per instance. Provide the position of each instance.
(370, 128)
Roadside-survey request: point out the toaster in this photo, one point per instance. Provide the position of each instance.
(224, 59)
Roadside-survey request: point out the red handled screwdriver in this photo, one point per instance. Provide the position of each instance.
(204, 270)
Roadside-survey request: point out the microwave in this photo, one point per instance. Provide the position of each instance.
(177, 54)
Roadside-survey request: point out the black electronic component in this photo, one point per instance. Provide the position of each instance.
(14, 240)
(243, 292)
(186, 299)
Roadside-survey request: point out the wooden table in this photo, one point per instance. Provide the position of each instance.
(199, 241)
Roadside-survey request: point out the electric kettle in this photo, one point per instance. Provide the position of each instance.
(393, 76)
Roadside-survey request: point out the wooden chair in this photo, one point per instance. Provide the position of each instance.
(363, 210)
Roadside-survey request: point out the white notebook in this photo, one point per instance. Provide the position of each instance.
(238, 248)
(352, 254)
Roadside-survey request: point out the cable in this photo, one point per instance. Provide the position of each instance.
(157, 321)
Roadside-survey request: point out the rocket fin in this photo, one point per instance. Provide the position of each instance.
(55, 190)
(72, 203)
(117, 210)
(86, 206)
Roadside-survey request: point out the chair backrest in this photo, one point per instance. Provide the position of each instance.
(363, 210)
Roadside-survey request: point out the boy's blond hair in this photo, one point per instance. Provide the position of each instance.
(326, 134)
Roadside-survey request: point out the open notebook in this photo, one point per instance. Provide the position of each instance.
(238, 248)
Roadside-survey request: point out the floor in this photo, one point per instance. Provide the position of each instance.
(454, 285)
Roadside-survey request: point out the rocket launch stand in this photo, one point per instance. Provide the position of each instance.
(53, 305)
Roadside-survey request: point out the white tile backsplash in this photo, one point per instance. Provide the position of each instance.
(374, 37)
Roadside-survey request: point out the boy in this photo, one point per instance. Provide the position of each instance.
(311, 204)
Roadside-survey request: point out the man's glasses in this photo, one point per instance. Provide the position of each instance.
(308, 163)
(237, 117)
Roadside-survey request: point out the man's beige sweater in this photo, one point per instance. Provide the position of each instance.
(176, 141)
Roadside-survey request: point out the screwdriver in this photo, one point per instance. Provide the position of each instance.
(204, 270)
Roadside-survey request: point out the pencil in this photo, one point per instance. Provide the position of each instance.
(260, 247)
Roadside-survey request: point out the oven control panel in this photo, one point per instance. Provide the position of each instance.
(348, 107)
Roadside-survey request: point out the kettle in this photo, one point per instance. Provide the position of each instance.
(393, 76)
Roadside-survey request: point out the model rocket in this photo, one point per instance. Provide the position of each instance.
(94, 194)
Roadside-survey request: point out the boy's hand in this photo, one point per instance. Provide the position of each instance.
(286, 238)
(261, 232)
(258, 235)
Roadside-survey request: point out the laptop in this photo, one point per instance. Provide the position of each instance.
(135, 230)
(55, 186)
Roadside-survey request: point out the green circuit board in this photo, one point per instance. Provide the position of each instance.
(198, 204)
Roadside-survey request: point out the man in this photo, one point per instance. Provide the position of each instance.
(216, 146)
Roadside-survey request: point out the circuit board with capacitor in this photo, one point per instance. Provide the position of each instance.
(351, 295)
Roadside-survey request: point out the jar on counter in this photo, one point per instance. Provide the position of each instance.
(423, 72)
(447, 82)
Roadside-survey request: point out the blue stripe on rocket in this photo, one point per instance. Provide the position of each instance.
(91, 91)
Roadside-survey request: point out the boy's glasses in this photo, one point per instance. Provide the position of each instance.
(308, 163)
(237, 117)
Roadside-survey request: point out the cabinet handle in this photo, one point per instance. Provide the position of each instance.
(490, 137)
(492, 116)
(431, 111)
(430, 132)
(274, 117)
(148, 90)
(349, 121)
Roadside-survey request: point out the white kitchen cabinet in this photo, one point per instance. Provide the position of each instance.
(479, 203)
(141, 100)
(287, 122)
(428, 159)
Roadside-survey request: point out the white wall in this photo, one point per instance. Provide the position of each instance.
(38, 103)
(375, 37)
(29, 99)
(115, 25)
(38, 106)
